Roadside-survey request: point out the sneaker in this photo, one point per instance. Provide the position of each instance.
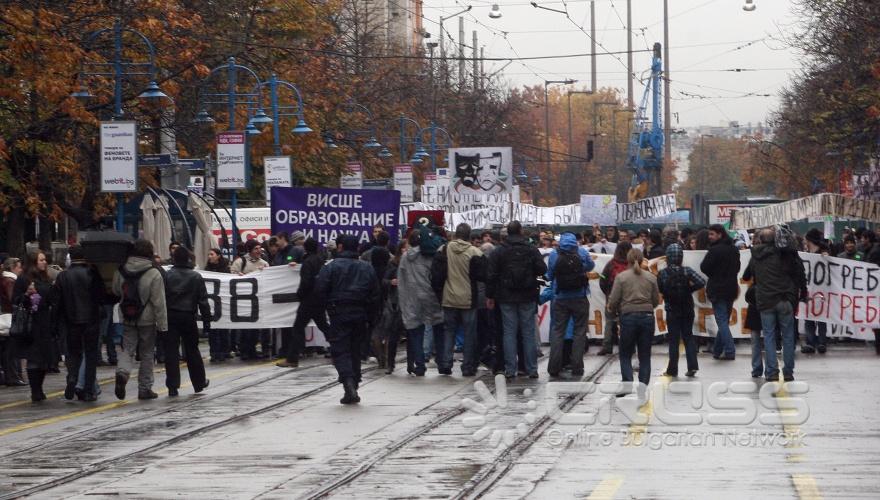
(445, 371)
(691, 373)
(756, 375)
(726, 357)
(807, 349)
(172, 392)
(822, 348)
(772, 378)
(147, 394)
(788, 378)
(121, 381)
(89, 397)
(533, 375)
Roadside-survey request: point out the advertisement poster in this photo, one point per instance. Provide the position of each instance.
(118, 157)
(232, 161)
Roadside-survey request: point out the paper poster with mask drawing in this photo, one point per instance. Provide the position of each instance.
(481, 170)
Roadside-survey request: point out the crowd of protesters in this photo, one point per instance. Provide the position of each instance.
(473, 292)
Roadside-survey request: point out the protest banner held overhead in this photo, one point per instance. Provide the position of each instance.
(325, 214)
(485, 170)
(648, 208)
(598, 209)
(819, 205)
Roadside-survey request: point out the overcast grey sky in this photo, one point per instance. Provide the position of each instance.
(706, 36)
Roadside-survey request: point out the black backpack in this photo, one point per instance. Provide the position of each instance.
(678, 296)
(517, 271)
(131, 305)
(569, 273)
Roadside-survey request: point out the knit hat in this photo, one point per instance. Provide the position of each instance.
(814, 236)
(296, 236)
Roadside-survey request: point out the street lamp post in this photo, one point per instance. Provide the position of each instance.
(443, 45)
(119, 68)
(547, 123)
(230, 98)
(282, 110)
(433, 147)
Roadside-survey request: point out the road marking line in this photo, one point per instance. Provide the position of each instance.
(110, 406)
(806, 487)
(606, 488)
(636, 432)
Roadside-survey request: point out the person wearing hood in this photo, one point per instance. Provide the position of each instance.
(721, 265)
(419, 305)
(185, 294)
(677, 284)
(455, 272)
(567, 269)
(139, 334)
(850, 250)
(81, 297)
(349, 289)
(779, 273)
(512, 282)
(815, 242)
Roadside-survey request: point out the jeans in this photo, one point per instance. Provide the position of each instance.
(612, 328)
(519, 317)
(182, 327)
(681, 328)
(136, 338)
(563, 311)
(82, 345)
(812, 327)
(428, 341)
(776, 321)
(415, 351)
(724, 345)
(81, 380)
(297, 341)
(467, 320)
(636, 332)
(757, 361)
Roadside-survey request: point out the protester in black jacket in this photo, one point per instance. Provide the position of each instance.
(185, 293)
(80, 296)
(33, 289)
(310, 307)
(350, 290)
(512, 283)
(721, 266)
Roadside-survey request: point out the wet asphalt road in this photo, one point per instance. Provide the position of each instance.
(266, 432)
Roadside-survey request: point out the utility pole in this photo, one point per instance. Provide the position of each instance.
(667, 112)
(476, 65)
(593, 46)
(443, 56)
(482, 70)
(461, 65)
(629, 56)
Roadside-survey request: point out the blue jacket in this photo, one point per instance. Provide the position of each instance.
(568, 243)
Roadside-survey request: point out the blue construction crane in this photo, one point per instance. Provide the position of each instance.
(645, 154)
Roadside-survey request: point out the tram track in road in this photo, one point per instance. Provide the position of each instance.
(490, 474)
(105, 464)
(167, 409)
(346, 478)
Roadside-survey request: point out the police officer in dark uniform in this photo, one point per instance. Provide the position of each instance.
(350, 290)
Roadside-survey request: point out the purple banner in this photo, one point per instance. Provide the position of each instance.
(325, 213)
